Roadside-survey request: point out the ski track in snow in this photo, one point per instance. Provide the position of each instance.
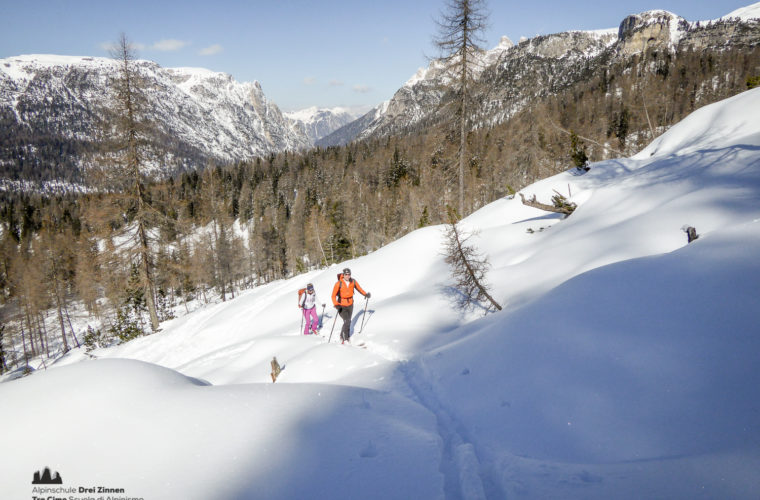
(460, 464)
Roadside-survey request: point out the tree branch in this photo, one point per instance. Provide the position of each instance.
(564, 208)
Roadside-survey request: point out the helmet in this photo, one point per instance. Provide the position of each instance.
(346, 271)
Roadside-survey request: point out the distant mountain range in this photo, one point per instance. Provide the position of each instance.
(512, 75)
(50, 105)
(202, 115)
(319, 122)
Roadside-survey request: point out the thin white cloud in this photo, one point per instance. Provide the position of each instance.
(361, 89)
(336, 83)
(211, 50)
(169, 45)
(309, 80)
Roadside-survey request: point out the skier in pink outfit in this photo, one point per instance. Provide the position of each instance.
(308, 303)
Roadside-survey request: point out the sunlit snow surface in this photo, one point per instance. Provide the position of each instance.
(624, 364)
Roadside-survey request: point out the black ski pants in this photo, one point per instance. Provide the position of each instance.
(345, 313)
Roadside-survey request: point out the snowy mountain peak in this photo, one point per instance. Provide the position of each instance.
(24, 67)
(319, 122)
(207, 114)
(313, 113)
(745, 13)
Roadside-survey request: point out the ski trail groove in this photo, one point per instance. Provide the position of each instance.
(459, 463)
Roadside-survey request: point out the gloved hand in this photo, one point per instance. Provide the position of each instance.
(323, 306)
(339, 309)
(369, 295)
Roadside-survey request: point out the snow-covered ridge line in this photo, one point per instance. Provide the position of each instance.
(209, 114)
(35, 61)
(747, 13)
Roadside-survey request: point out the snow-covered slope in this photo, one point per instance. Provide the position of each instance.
(745, 13)
(624, 364)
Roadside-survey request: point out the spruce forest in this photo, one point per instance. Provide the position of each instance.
(214, 231)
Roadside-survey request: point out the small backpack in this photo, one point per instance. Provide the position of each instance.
(301, 291)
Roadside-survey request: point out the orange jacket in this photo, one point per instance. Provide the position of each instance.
(343, 294)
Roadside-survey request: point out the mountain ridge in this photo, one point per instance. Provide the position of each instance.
(420, 99)
(318, 122)
(204, 115)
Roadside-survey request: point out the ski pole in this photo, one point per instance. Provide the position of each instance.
(301, 328)
(333, 327)
(366, 303)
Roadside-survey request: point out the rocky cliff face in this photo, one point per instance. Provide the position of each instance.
(650, 30)
(201, 114)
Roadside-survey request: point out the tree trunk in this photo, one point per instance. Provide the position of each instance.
(68, 318)
(43, 334)
(32, 327)
(150, 293)
(646, 112)
(463, 134)
(542, 206)
(23, 341)
(59, 310)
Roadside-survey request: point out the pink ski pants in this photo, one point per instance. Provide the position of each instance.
(312, 321)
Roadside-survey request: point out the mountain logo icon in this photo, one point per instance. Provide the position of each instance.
(46, 477)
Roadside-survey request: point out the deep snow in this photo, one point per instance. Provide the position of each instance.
(624, 364)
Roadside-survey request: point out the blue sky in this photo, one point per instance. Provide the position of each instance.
(304, 53)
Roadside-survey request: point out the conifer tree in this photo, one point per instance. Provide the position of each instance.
(86, 276)
(130, 139)
(57, 259)
(459, 39)
(215, 209)
(578, 152)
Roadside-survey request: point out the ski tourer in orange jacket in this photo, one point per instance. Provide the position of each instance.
(343, 291)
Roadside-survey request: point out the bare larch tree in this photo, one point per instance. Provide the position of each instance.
(468, 267)
(459, 40)
(129, 133)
